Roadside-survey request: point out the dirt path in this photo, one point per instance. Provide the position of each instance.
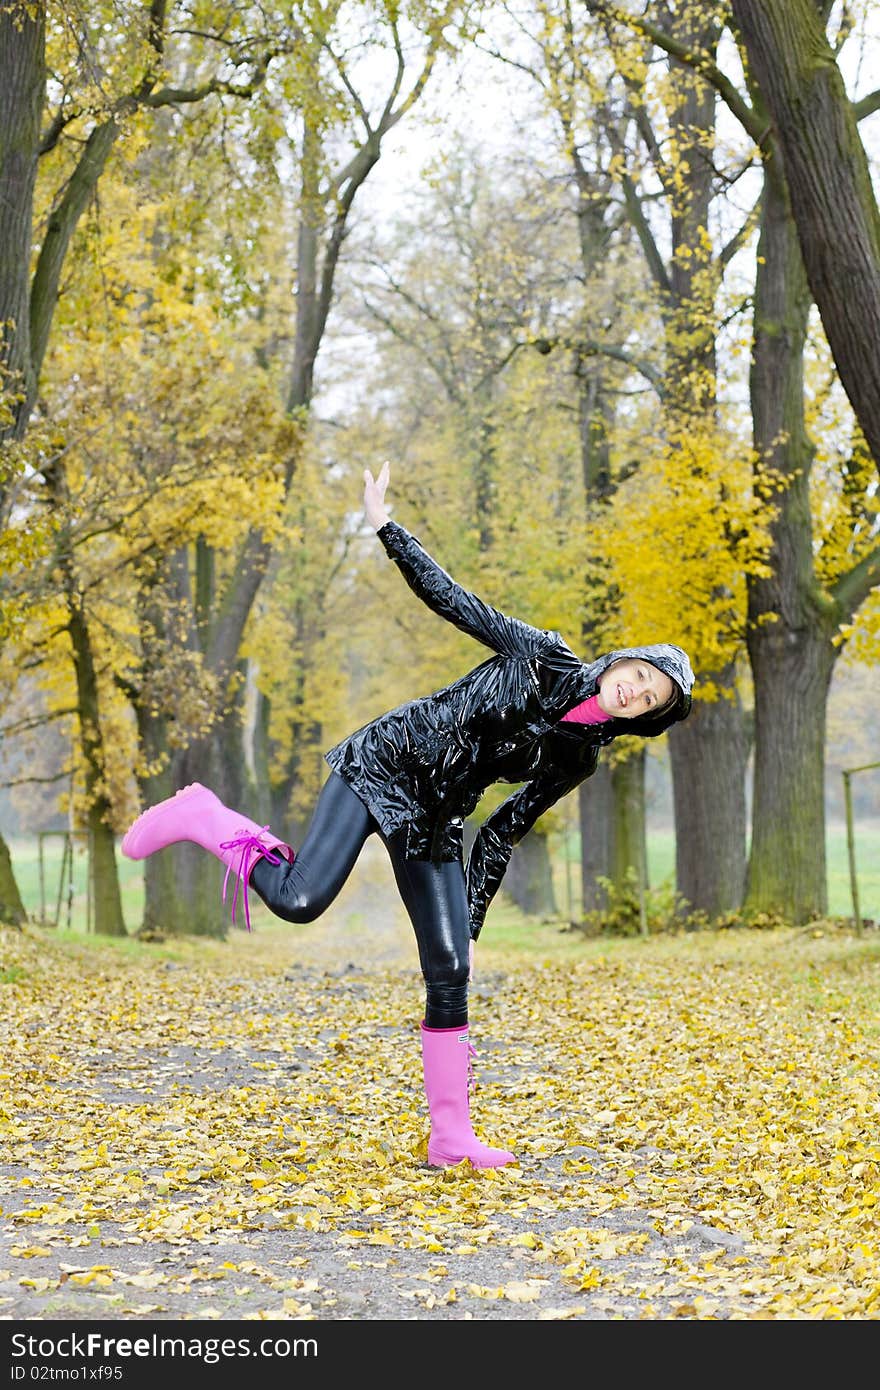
(247, 1143)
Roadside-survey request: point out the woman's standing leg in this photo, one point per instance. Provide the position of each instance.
(435, 897)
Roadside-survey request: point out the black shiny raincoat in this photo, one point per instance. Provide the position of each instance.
(422, 768)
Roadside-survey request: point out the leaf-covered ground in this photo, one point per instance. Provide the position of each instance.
(209, 1130)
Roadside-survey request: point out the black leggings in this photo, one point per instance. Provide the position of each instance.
(434, 895)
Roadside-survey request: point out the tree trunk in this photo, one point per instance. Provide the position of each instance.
(830, 187)
(181, 887)
(26, 312)
(596, 819)
(103, 869)
(529, 878)
(197, 908)
(791, 622)
(708, 756)
(269, 802)
(613, 825)
(218, 760)
(182, 883)
(606, 799)
(188, 895)
(287, 818)
(22, 86)
(707, 752)
(691, 321)
(788, 633)
(787, 874)
(288, 815)
(597, 810)
(12, 909)
(629, 850)
(107, 918)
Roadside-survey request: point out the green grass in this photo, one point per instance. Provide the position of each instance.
(867, 853)
(661, 867)
(64, 904)
(69, 911)
(661, 870)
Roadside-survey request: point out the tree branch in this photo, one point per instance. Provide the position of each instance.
(700, 62)
(33, 721)
(33, 781)
(866, 105)
(851, 589)
(739, 238)
(592, 348)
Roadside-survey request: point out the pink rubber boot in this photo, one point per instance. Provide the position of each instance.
(446, 1054)
(195, 813)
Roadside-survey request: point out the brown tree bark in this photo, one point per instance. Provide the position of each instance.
(708, 755)
(829, 182)
(22, 88)
(817, 189)
(791, 623)
(33, 297)
(707, 752)
(106, 900)
(529, 877)
(787, 873)
(706, 877)
(596, 821)
(613, 825)
(12, 910)
(810, 143)
(182, 883)
(103, 870)
(629, 848)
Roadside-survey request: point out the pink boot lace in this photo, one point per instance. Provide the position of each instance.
(252, 849)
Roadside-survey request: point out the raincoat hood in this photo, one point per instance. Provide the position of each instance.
(672, 661)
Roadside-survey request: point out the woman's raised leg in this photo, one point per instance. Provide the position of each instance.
(300, 891)
(297, 887)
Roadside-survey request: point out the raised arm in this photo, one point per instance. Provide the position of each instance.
(439, 591)
(374, 496)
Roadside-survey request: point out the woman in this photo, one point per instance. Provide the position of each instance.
(532, 713)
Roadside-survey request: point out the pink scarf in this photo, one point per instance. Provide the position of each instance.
(587, 712)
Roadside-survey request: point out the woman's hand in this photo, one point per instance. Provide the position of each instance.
(374, 495)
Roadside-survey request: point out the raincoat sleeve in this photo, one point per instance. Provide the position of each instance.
(437, 589)
(504, 828)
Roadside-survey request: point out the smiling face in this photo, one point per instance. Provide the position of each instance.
(630, 687)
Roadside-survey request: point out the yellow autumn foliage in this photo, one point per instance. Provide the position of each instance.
(167, 435)
(682, 536)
